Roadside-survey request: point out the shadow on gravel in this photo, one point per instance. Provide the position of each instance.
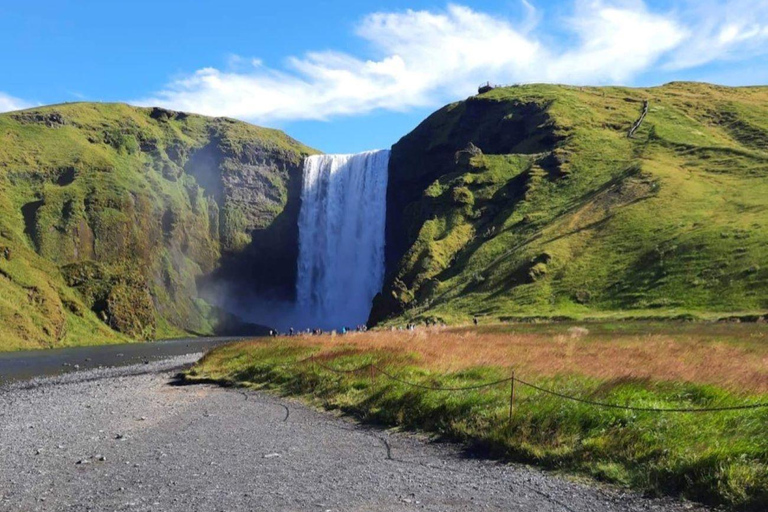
(180, 380)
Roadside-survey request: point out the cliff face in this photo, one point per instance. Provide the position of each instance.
(533, 201)
(112, 216)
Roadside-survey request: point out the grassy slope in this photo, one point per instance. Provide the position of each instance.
(574, 218)
(105, 183)
(717, 458)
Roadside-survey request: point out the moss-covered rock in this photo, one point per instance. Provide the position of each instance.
(112, 215)
(129, 310)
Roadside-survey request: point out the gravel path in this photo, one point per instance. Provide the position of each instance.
(124, 439)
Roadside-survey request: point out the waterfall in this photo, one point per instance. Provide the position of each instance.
(341, 238)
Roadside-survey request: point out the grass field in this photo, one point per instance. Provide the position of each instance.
(713, 457)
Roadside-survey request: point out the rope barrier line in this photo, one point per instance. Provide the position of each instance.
(642, 409)
(372, 367)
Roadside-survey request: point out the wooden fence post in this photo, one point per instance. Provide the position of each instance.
(511, 396)
(314, 371)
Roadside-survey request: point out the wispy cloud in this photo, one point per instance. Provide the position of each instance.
(614, 44)
(9, 103)
(422, 58)
(733, 30)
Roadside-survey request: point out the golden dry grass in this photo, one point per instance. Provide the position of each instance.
(738, 364)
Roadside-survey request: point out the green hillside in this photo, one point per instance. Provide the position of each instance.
(559, 212)
(111, 214)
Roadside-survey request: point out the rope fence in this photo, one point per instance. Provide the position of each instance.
(374, 369)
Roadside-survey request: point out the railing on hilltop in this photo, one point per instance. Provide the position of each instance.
(637, 123)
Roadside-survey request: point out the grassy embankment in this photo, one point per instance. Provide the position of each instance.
(716, 458)
(563, 215)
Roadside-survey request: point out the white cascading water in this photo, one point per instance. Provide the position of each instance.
(341, 238)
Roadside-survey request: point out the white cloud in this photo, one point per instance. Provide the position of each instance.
(9, 103)
(615, 44)
(735, 29)
(423, 58)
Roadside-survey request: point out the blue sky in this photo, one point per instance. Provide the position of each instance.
(344, 76)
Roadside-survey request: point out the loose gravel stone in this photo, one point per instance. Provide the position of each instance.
(204, 448)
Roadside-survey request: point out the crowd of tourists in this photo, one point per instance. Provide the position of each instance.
(317, 331)
(360, 328)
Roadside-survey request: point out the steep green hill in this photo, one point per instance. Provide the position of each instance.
(554, 210)
(110, 215)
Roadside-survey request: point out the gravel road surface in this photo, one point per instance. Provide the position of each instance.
(127, 439)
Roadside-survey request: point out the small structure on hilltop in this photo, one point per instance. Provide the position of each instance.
(487, 86)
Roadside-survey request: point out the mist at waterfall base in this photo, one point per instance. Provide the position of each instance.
(340, 266)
